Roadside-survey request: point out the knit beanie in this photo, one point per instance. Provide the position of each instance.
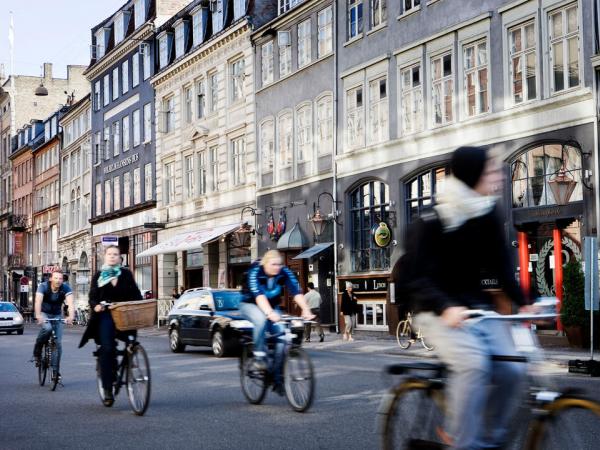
(467, 164)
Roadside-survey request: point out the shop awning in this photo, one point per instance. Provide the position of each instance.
(189, 241)
(314, 250)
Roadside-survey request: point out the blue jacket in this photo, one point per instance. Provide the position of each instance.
(259, 283)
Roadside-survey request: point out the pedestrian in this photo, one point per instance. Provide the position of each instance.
(181, 290)
(450, 250)
(314, 300)
(349, 309)
(112, 283)
(176, 294)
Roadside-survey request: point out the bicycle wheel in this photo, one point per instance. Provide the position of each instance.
(568, 422)
(412, 417)
(44, 363)
(403, 334)
(254, 384)
(54, 369)
(298, 379)
(138, 380)
(99, 385)
(427, 347)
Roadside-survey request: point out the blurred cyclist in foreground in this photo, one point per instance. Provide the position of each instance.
(449, 251)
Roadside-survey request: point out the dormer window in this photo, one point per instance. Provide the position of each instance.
(218, 15)
(164, 48)
(100, 44)
(47, 131)
(239, 9)
(198, 23)
(140, 12)
(180, 37)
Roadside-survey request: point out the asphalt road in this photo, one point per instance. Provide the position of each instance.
(197, 402)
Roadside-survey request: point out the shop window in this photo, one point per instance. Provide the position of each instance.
(420, 192)
(143, 266)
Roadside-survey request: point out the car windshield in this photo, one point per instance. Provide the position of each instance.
(7, 307)
(227, 301)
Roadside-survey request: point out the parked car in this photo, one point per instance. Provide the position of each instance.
(210, 317)
(10, 319)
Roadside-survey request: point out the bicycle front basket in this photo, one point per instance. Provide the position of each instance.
(134, 315)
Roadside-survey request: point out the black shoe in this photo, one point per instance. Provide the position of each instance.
(37, 360)
(108, 398)
(279, 389)
(307, 340)
(321, 338)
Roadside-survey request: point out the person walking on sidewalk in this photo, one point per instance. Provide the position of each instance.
(349, 308)
(314, 300)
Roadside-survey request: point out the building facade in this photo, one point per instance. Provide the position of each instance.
(514, 75)
(74, 241)
(295, 142)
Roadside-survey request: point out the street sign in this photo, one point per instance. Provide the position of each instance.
(24, 288)
(109, 240)
(590, 247)
(24, 281)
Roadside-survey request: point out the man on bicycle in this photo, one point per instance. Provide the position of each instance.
(262, 295)
(49, 300)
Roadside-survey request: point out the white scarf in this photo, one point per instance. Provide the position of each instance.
(459, 203)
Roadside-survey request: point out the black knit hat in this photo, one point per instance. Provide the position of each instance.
(467, 164)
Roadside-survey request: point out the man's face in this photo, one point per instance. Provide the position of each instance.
(56, 279)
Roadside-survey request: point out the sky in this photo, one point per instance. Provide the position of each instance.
(56, 31)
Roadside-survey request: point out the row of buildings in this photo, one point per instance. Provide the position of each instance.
(215, 130)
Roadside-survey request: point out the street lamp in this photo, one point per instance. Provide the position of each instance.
(562, 185)
(318, 221)
(41, 90)
(245, 227)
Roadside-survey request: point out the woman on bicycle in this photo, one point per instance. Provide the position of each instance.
(112, 283)
(265, 281)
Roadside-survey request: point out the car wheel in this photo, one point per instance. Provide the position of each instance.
(175, 341)
(9, 332)
(19, 332)
(218, 344)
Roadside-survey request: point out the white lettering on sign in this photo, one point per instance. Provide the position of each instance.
(124, 162)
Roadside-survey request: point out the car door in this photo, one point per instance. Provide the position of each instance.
(186, 310)
(204, 317)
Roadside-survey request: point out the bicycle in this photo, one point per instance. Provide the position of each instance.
(405, 335)
(420, 396)
(49, 359)
(81, 317)
(133, 371)
(298, 372)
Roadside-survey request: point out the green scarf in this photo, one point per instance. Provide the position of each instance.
(108, 273)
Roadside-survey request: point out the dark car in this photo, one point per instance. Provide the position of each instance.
(211, 318)
(10, 318)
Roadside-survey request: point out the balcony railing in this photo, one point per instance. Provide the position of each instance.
(18, 222)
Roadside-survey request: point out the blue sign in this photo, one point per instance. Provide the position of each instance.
(590, 248)
(109, 240)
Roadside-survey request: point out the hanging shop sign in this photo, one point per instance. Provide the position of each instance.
(382, 235)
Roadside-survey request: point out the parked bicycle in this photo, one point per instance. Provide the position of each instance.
(81, 317)
(412, 412)
(405, 336)
(49, 360)
(298, 372)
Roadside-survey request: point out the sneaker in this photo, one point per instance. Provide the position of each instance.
(321, 338)
(279, 389)
(350, 339)
(259, 364)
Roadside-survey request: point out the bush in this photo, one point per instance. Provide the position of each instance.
(572, 312)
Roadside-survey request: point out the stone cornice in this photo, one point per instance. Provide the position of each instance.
(201, 53)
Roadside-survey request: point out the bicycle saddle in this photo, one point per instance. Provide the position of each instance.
(406, 367)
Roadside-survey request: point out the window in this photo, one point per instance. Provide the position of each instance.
(564, 48)
(267, 146)
(164, 54)
(267, 63)
(147, 67)
(237, 80)
(98, 199)
(369, 205)
(202, 173)
(200, 99)
(420, 192)
(125, 75)
(411, 4)
(214, 91)
(107, 197)
(476, 78)
(304, 133)
(378, 12)
(106, 93)
(412, 99)
(304, 40)
(355, 18)
(214, 168)
(100, 45)
(137, 193)
(117, 191)
(96, 96)
(126, 189)
(442, 89)
(197, 27)
(238, 161)
(136, 128)
(188, 173)
(106, 142)
(522, 62)
(119, 28)
(325, 125)
(126, 133)
(180, 39)
(378, 110)
(148, 182)
(147, 122)
(285, 60)
(135, 70)
(187, 104)
(325, 32)
(140, 12)
(115, 83)
(98, 148)
(217, 15)
(285, 140)
(168, 114)
(355, 117)
(116, 133)
(285, 5)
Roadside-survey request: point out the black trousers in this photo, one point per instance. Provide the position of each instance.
(107, 353)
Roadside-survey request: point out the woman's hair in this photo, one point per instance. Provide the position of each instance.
(269, 256)
(108, 247)
(349, 284)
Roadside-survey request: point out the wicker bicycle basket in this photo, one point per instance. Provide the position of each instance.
(134, 315)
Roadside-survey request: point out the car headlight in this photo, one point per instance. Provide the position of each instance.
(18, 319)
(297, 323)
(241, 324)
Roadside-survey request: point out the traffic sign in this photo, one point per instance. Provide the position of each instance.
(109, 240)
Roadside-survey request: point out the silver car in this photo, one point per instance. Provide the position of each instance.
(10, 319)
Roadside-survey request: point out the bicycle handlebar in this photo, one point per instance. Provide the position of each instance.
(480, 314)
(55, 320)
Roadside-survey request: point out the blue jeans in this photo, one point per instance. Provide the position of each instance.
(44, 335)
(107, 352)
(262, 325)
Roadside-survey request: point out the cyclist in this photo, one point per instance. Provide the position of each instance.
(49, 300)
(449, 252)
(112, 283)
(265, 281)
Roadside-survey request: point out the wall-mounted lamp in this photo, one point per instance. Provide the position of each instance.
(318, 220)
(245, 227)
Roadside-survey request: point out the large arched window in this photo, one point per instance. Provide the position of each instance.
(420, 192)
(369, 206)
(535, 171)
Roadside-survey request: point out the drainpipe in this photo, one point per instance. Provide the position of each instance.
(334, 165)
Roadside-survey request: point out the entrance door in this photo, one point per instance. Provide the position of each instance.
(298, 266)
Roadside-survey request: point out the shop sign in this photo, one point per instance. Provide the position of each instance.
(109, 240)
(50, 269)
(123, 163)
(379, 284)
(382, 235)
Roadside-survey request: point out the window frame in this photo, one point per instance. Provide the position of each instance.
(304, 43)
(381, 103)
(360, 114)
(564, 39)
(475, 70)
(522, 24)
(266, 63)
(442, 82)
(325, 32)
(355, 26)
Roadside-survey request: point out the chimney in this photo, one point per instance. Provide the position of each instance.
(47, 71)
(2, 75)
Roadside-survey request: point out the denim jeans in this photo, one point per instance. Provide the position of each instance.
(44, 335)
(261, 325)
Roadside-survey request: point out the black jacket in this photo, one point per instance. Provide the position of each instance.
(126, 290)
(349, 304)
(447, 268)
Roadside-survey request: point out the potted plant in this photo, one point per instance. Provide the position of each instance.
(574, 317)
